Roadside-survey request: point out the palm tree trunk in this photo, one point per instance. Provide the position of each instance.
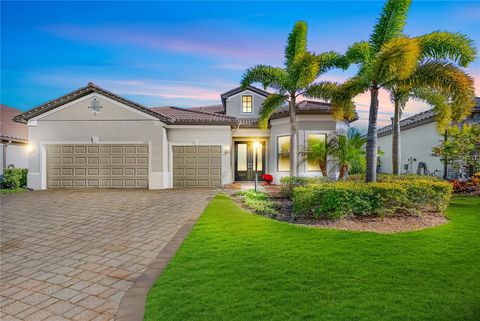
(445, 163)
(293, 137)
(343, 171)
(396, 139)
(371, 152)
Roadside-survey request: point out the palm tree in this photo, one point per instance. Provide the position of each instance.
(388, 58)
(348, 151)
(453, 97)
(450, 106)
(296, 78)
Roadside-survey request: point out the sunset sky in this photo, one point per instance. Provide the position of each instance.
(188, 53)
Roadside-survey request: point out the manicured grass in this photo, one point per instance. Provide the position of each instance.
(239, 266)
(6, 191)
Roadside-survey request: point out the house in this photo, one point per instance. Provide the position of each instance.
(94, 138)
(14, 139)
(418, 135)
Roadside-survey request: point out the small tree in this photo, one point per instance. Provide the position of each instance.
(318, 151)
(348, 152)
(461, 149)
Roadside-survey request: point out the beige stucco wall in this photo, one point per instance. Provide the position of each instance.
(204, 135)
(415, 142)
(234, 104)
(75, 124)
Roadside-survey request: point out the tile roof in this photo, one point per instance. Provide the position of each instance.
(248, 122)
(9, 129)
(209, 109)
(307, 107)
(186, 116)
(419, 119)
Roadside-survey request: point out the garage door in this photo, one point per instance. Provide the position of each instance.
(123, 166)
(197, 166)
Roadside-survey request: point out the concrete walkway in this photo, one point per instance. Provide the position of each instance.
(73, 254)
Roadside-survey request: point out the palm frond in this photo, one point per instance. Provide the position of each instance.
(303, 71)
(443, 110)
(268, 76)
(396, 60)
(296, 42)
(272, 103)
(448, 45)
(324, 90)
(329, 60)
(390, 24)
(359, 53)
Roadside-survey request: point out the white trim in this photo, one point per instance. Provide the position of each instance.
(276, 152)
(32, 123)
(89, 96)
(305, 136)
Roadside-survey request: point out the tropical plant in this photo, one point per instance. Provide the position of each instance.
(296, 78)
(461, 149)
(318, 152)
(437, 82)
(348, 151)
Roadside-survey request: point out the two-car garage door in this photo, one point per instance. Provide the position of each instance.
(121, 166)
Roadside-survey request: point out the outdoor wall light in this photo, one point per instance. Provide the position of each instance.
(30, 148)
(95, 106)
(226, 149)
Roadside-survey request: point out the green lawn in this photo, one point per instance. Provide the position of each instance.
(238, 266)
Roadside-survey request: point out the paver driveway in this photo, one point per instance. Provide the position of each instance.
(72, 254)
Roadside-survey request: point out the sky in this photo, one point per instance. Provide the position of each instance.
(188, 53)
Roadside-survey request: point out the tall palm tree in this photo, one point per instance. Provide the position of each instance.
(348, 150)
(388, 58)
(296, 78)
(449, 105)
(452, 99)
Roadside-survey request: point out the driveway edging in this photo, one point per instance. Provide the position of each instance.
(132, 304)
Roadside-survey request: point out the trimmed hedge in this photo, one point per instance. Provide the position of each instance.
(14, 178)
(290, 182)
(341, 199)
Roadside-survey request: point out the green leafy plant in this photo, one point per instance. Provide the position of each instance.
(290, 182)
(15, 178)
(347, 198)
(348, 152)
(461, 149)
(259, 202)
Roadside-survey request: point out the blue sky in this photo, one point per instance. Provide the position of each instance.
(187, 53)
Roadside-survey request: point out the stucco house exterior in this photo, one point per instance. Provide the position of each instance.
(13, 138)
(417, 138)
(92, 137)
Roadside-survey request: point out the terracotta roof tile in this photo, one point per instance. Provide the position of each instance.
(209, 109)
(186, 116)
(9, 129)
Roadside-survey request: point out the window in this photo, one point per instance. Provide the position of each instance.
(315, 148)
(283, 153)
(247, 101)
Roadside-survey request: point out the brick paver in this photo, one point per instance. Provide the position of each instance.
(72, 254)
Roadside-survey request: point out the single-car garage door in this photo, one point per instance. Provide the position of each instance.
(123, 166)
(197, 166)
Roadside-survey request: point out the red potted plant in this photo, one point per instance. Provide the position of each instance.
(267, 178)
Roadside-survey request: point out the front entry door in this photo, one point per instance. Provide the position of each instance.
(245, 161)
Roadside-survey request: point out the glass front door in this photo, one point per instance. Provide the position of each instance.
(246, 158)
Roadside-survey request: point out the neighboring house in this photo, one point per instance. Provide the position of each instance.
(418, 136)
(14, 139)
(94, 138)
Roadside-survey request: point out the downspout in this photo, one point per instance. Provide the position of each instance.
(445, 163)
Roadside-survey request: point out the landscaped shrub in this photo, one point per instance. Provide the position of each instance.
(259, 202)
(392, 177)
(470, 186)
(290, 182)
(14, 177)
(340, 199)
